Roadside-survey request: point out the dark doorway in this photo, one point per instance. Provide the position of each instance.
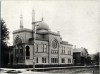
(82, 60)
(17, 60)
(11, 58)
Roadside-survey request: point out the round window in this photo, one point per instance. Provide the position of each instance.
(54, 44)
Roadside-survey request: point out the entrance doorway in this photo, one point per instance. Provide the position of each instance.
(11, 58)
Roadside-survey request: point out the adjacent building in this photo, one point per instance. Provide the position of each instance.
(80, 55)
(92, 58)
(95, 59)
(49, 46)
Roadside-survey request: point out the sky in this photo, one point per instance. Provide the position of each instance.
(76, 20)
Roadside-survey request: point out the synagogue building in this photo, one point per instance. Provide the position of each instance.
(39, 44)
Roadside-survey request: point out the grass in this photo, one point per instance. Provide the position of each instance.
(36, 66)
(75, 71)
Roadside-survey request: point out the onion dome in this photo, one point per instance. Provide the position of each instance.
(42, 26)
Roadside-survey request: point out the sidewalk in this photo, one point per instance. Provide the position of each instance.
(53, 68)
(24, 71)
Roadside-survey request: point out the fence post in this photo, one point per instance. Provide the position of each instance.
(93, 72)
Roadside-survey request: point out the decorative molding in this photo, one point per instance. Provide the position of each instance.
(66, 54)
(66, 44)
(22, 30)
(19, 36)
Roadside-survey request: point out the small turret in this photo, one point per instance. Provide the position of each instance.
(21, 21)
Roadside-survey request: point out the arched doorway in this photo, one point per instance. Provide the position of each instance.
(19, 49)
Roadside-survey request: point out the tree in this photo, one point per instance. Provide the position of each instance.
(4, 46)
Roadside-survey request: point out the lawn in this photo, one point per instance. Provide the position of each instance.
(76, 71)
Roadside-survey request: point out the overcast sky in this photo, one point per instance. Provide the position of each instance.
(76, 20)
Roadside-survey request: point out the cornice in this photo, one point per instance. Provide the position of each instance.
(66, 54)
(38, 39)
(22, 30)
(66, 44)
(48, 32)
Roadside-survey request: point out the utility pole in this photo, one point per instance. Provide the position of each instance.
(34, 38)
(34, 24)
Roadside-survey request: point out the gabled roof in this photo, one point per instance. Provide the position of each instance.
(79, 50)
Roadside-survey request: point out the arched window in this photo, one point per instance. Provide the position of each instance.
(27, 52)
(18, 41)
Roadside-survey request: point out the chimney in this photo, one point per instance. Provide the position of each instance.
(74, 46)
(58, 32)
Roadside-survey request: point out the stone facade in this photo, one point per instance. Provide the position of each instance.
(49, 47)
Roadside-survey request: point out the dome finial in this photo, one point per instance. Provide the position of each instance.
(33, 14)
(21, 20)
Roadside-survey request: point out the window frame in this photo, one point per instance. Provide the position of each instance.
(54, 60)
(27, 52)
(69, 60)
(37, 47)
(43, 59)
(44, 47)
(62, 60)
(36, 59)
